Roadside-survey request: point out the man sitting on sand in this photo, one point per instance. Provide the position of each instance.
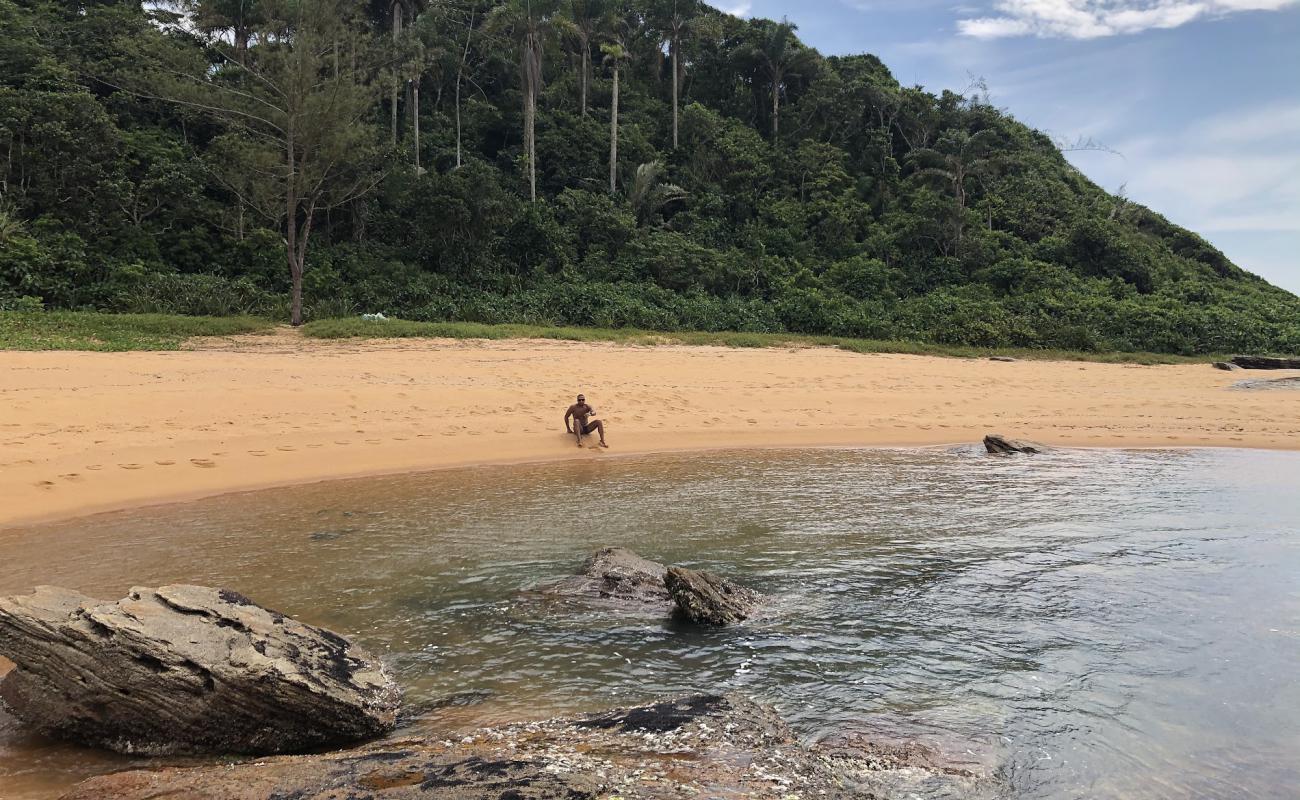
(580, 411)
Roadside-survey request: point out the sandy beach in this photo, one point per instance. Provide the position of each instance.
(85, 432)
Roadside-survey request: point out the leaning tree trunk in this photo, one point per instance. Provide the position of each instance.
(613, 136)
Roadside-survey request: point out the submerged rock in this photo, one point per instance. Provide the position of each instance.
(997, 443)
(1265, 362)
(615, 575)
(699, 746)
(186, 669)
(708, 599)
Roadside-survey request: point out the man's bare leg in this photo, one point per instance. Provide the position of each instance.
(600, 427)
(577, 432)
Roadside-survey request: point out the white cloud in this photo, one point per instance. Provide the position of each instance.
(1091, 19)
(736, 8)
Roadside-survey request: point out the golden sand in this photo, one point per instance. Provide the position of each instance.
(83, 432)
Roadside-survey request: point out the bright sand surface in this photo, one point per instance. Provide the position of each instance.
(83, 432)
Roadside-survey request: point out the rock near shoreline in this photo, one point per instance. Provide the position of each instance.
(701, 746)
(186, 669)
(1000, 445)
(708, 599)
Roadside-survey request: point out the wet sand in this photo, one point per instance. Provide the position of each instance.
(84, 432)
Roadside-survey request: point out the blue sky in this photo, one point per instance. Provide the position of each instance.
(1201, 98)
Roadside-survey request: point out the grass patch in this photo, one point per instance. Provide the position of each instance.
(85, 330)
(353, 327)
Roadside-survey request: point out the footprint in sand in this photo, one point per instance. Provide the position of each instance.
(314, 446)
(258, 453)
(164, 463)
(94, 466)
(131, 466)
(752, 421)
(287, 448)
(342, 441)
(205, 463)
(373, 441)
(45, 484)
(71, 476)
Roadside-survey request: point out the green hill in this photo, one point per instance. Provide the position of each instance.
(147, 164)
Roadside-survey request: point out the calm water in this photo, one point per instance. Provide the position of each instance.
(1088, 624)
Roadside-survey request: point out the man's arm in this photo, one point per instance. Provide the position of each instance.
(568, 414)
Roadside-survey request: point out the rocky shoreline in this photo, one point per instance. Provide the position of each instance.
(700, 746)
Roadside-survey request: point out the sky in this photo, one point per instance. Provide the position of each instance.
(1198, 99)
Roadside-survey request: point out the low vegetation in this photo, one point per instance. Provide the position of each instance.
(405, 329)
(72, 330)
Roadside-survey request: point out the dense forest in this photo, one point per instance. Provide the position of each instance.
(652, 164)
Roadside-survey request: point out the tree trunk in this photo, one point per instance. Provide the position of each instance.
(415, 122)
(291, 229)
(530, 114)
(613, 136)
(776, 106)
(586, 68)
(675, 79)
(397, 14)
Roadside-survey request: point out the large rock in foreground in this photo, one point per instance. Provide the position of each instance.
(704, 746)
(615, 576)
(708, 599)
(997, 443)
(186, 669)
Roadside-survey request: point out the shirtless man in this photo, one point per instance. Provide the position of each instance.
(580, 411)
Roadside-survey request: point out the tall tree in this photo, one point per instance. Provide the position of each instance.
(294, 143)
(955, 159)
(529, 24)
(776, 56)
(583, 21)
(674, 20)
(615, 55)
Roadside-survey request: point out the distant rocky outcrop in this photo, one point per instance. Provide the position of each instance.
(996, 443)
(1004, 359)
(614, 576)
(1225, 365)
(186, 669)
(708, 599)
(1265, 362)
(697, 746)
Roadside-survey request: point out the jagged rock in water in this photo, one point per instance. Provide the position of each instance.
(699, 746)
(1225, 365)
(615, 575)
(1265, 362)
(708, 599)
(997, 443)
(186, 669)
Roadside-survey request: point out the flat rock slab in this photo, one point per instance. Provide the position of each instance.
(614, 576)
(708, 599)
(996, 443)
(1268, 383)
(186, 669)
(702, 746)
(1265, 362)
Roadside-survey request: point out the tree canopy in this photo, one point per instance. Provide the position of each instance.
(461, 160)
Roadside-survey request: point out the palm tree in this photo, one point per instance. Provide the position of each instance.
(615, 55)
(529, 23)
(648, 195)
(956, 158)
(776, 56)
(673, 18)
(583, 23)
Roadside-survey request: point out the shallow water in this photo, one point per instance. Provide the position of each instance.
(1086, 624)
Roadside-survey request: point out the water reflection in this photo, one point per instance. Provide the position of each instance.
(1094, 623)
